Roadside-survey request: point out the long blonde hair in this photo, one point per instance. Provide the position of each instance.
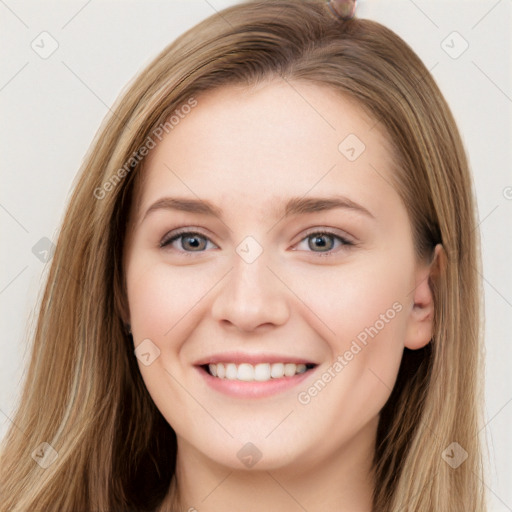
(84, 394)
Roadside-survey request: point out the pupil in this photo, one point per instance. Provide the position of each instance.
(195, 243)
(320, 241)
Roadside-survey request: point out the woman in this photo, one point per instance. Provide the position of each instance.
(262, 373)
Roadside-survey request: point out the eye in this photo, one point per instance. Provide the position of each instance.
(191, 241)
(325, 241)
(194, 242)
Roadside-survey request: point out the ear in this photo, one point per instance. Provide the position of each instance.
(421, 317)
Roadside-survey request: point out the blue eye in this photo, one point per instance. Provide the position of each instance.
(194, 242)
(325, 241)
(189, 240)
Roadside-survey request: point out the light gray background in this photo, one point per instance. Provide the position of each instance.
(52, 107)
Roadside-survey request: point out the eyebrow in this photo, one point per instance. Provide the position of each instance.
(294, 206)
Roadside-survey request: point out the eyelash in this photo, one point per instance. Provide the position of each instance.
(171, 237)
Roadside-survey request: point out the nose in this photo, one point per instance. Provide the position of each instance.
(251, 297)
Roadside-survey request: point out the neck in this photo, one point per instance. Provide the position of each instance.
(342, 483)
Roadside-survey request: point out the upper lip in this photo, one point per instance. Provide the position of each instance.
(240, 357)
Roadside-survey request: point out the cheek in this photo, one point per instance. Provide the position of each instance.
(160, 297)
(365, 307)
(162, 303)
(363, 301)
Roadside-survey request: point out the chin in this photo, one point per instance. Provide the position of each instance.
(255, 455)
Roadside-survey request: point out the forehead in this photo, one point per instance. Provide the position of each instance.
(248, 145)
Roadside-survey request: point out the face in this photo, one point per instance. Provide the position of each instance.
(298, 290)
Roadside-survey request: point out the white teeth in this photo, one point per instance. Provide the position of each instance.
(260, 372)
(289, 369)
(277, 370)
(245, 372)
(231, 371)
(221, 370)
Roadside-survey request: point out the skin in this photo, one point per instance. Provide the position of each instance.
(247, 150)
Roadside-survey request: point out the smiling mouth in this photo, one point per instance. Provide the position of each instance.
(262, 372)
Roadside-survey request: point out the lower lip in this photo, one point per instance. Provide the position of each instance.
(253, 389)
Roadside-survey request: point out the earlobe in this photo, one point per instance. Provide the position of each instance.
(421, 316)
